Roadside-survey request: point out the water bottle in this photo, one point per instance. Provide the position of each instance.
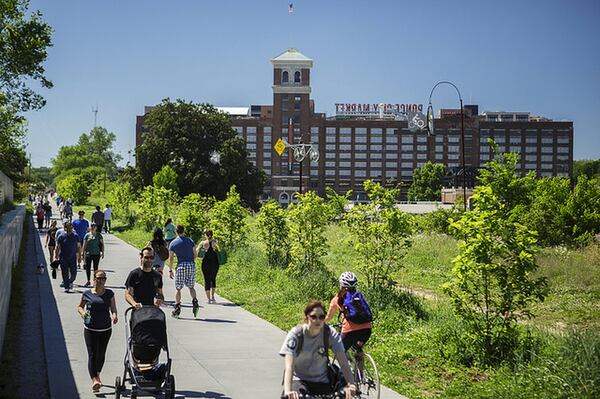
(87, 318)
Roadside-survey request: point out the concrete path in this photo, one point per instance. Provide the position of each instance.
(226, 353)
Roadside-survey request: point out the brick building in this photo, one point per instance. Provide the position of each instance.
(372, 141)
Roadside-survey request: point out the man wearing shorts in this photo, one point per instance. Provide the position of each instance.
(184, 248)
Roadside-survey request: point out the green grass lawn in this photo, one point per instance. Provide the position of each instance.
(412, 336)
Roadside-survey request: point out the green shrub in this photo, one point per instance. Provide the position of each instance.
(193, 214)
(227, 219)
(274, 233)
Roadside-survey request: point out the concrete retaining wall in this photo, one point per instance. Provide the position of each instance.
(11, 233)
(6, 189)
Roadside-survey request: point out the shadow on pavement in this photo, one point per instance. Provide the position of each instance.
(207, 394)
(60, 375)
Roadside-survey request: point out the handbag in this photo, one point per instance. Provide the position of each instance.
(222, 256)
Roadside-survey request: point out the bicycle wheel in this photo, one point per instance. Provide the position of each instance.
(367, 379)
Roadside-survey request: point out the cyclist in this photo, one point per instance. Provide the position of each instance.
(307, 364)
(356, 332)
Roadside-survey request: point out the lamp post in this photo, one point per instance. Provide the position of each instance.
(300, 151)
(430, 131)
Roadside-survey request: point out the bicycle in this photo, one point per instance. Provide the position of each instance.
(364, 370)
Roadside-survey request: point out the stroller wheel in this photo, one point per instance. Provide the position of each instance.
(170, 387)
(117, 387)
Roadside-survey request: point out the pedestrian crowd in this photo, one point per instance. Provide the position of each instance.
(307, 368)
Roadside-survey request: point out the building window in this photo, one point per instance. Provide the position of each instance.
(390, 165)
(406, 165)
(421, 156)
(376, 164)
(330, 130)
(344, 172)
(330, 164)
(345, 139)
(562, 140)
(391, 139)
(453, 148)
(547, 140)
(439, 156)
(406, 139)
(407, 173)
(499, 139)
(344, 164)
(330, 139)
(391, 147)
(406, 155)
(285, 77)
(453, 157)
(345, 155)
(251, 146)
(360, 147)
(407, 148)
(484, 149)
(376, 147)
(360, 173)
(345, 147)
(251, 138)
(421, 148)
(453, 139)
(421, 138)
(297, 78)
(533, 158)
(391, 155)
(376, 155)
(330, 155)
(391, 173)
(361, 164)
(330, 147)
(360, 139)
(562, 150)
(375, 172)
(376, 139)
(439, 138)
(238, 129)
(329, 172)
(530, 149)
(360, 155)
(547, 150)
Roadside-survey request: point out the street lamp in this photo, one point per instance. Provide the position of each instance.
(430, 131)
(300, 151)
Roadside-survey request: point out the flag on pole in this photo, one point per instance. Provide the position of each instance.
(291, 8)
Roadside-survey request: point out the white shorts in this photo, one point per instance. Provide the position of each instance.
(185, 274)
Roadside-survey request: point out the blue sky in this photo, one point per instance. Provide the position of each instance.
(536, 56)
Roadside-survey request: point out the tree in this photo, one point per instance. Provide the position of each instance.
(13, 159)
(92, 157)
(227, 219)
(24, 40)
(165, 178)
(427, 183)
(184, 135)
(194, 214)
(492, 285)
(583, 210)
(308, 219)
(274, 233)
(120, 197)
(73, 187)
(336, 203)
(380, 234)
(587, 167)
(156, 204)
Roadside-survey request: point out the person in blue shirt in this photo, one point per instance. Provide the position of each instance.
(81, 227)
(185, 249)
(68, 251)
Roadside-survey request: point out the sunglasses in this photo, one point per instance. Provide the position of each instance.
(315, 317)
(148, 257)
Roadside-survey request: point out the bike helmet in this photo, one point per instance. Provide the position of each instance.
(348, 280)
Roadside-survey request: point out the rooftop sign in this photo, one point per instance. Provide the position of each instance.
(382, 110)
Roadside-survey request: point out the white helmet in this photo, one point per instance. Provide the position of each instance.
(348, 280)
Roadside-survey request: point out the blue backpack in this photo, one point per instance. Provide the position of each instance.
(356, 308)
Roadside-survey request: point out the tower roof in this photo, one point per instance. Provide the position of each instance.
(292, 56)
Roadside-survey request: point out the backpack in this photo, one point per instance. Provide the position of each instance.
(161, 250)
(336, 378)
(356, 308)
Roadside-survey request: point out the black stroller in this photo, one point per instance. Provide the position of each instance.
(146, 335)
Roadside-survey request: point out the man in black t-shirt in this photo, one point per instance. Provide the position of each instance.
(144, 284)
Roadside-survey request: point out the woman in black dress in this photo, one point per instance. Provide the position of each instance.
(99, 312)
(210, 264)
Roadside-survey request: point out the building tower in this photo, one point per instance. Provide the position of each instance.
(291, 119)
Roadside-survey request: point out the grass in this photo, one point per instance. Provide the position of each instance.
(417, 342)
(8, 378)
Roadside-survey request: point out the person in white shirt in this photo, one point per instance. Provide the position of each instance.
(107, 217)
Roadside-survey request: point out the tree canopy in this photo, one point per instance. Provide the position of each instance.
(24, 41)
(90, 158)
(184, 135)
(427, 183)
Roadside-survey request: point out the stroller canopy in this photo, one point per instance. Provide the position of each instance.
(149, 326)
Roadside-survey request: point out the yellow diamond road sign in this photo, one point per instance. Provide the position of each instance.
(279, 147)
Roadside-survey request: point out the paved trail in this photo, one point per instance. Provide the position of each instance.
(226, 353)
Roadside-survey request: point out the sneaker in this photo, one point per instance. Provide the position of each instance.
(96, 386)
(88, 284)
(62, 285)
(195, 307)
(176, 311)
(67, 290)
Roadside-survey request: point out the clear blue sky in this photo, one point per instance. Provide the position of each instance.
(526, 55)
